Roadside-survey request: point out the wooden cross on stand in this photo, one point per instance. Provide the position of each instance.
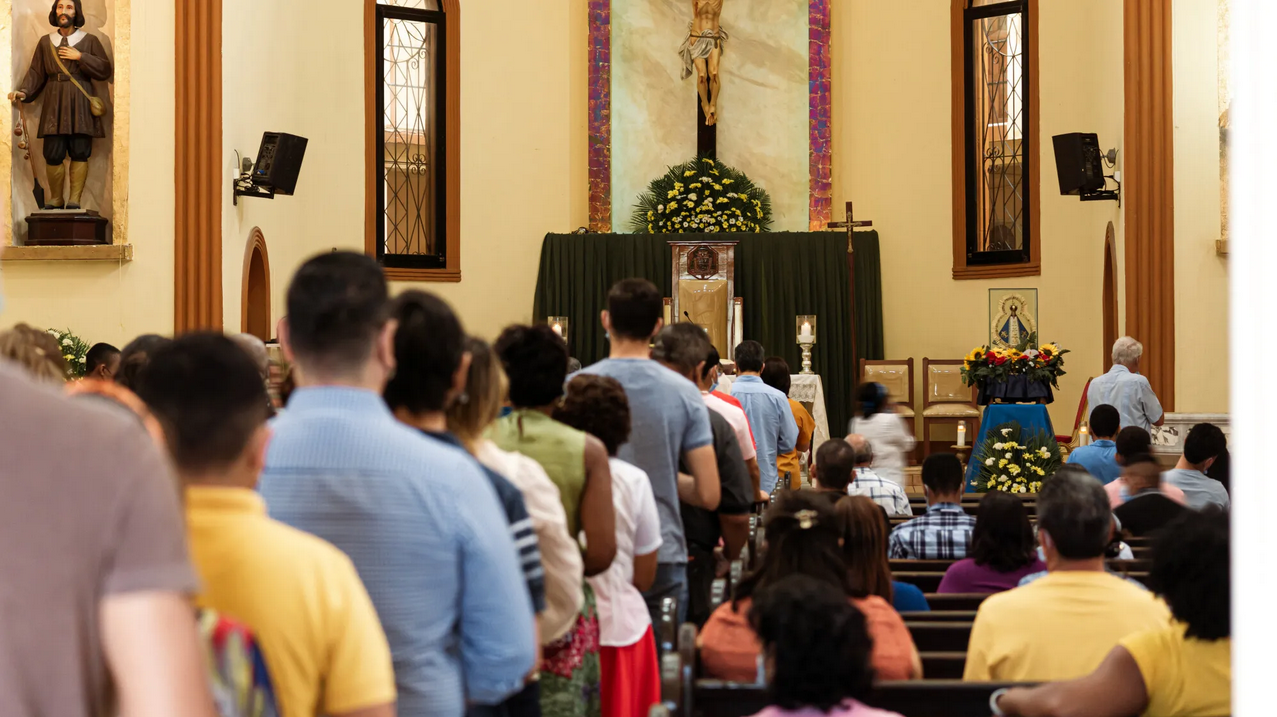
(851, 225)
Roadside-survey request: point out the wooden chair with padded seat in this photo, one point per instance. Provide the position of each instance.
(897, 376)
(947, 400)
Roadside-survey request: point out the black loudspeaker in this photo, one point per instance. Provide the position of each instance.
(279, 161)
(1078, 162)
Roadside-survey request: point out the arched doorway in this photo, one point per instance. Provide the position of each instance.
(1110, 295)
(255, 300)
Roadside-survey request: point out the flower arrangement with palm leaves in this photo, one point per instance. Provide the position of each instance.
(1014, 462)
(702, 195)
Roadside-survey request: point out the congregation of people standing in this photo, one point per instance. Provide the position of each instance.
(432, 525)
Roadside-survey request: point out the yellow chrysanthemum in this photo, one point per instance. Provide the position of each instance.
(690, 173)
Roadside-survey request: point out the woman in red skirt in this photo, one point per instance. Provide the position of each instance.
(631, 680)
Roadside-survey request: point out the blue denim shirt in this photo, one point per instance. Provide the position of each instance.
(427, 534)
(1099, 459)
(772, 421)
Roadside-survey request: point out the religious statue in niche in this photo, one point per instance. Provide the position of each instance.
(1014, 314)
(63, 68)
(701, 52)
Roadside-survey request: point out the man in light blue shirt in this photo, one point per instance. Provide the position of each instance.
(1126, 390)
(770, 417)
(1205, 443)
(669, 421)
(1100, 458)
(420, 521)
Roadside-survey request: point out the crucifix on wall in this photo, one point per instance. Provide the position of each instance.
(701, 53)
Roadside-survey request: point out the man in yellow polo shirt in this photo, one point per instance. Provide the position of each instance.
(324, 646)
(1061, 626)
(1184, 669)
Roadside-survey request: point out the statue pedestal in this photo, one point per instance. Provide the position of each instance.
(67, 227)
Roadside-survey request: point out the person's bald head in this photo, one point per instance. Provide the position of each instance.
(864, 450)
(256, 349)
(1142, 473)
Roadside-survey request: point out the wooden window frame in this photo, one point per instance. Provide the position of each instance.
(451, 136)
(1032, 136)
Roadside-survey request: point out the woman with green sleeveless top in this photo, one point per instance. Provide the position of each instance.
(536, 362)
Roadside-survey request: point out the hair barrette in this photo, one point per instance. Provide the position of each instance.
(806, 519)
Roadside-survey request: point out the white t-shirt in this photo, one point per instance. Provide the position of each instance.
(890, 440)
(623, 615)
(735, 416)
(560, 552)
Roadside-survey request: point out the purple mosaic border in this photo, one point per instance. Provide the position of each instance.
(820, 73)
(600, 115)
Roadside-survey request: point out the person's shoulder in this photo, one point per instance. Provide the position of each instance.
(306, 552)
(627, 471)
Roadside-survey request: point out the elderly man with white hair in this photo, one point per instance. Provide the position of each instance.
(1126, 390)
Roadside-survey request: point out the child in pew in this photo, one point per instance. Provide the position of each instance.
(802, 533)
(816, 651)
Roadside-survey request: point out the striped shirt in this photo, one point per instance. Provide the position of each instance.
(942, 533)
(521, 532)
(424, 529)
(884, 492)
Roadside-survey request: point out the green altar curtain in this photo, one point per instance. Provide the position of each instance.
(779, 276)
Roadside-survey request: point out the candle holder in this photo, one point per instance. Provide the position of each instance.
(805, 328)
(559, 324)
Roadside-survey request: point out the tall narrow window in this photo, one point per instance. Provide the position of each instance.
(411, 186)
(998, 138)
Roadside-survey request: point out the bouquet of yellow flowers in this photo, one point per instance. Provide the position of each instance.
(1014, 463)
(703, 195)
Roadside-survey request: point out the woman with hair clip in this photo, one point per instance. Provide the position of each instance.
(803, 534)
(890, 437)
(864, 547)
(816, 651)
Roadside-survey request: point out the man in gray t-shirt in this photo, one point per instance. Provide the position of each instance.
(669, 421)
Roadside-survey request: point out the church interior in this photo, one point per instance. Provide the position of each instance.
(926, 188)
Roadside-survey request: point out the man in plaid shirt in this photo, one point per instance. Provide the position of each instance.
(944, 531)
(885, 493)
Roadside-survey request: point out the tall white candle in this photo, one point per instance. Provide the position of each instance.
(1084, 437)
(804, 336)
(962, 434)
(558, 329)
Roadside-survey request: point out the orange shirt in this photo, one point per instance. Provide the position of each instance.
(730, 649)
(789, 461)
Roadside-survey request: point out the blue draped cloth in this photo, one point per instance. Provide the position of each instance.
(1031, 417)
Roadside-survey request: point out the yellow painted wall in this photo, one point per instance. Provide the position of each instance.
(523, 150)
(892, 156)
(276, 78)
(1201, 277)
(108, 302)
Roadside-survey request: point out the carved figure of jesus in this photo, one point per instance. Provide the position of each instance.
(701, 52)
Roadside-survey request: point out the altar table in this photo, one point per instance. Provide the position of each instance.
(1032, 418)
(806, 389)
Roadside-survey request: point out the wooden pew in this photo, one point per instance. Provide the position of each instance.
(943, 665)
(940, 616)
(940, 636)
(926, 582)
(955, 601)
(942, 695)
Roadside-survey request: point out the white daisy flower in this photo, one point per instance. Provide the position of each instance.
(989, 462)
(1006, 432)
